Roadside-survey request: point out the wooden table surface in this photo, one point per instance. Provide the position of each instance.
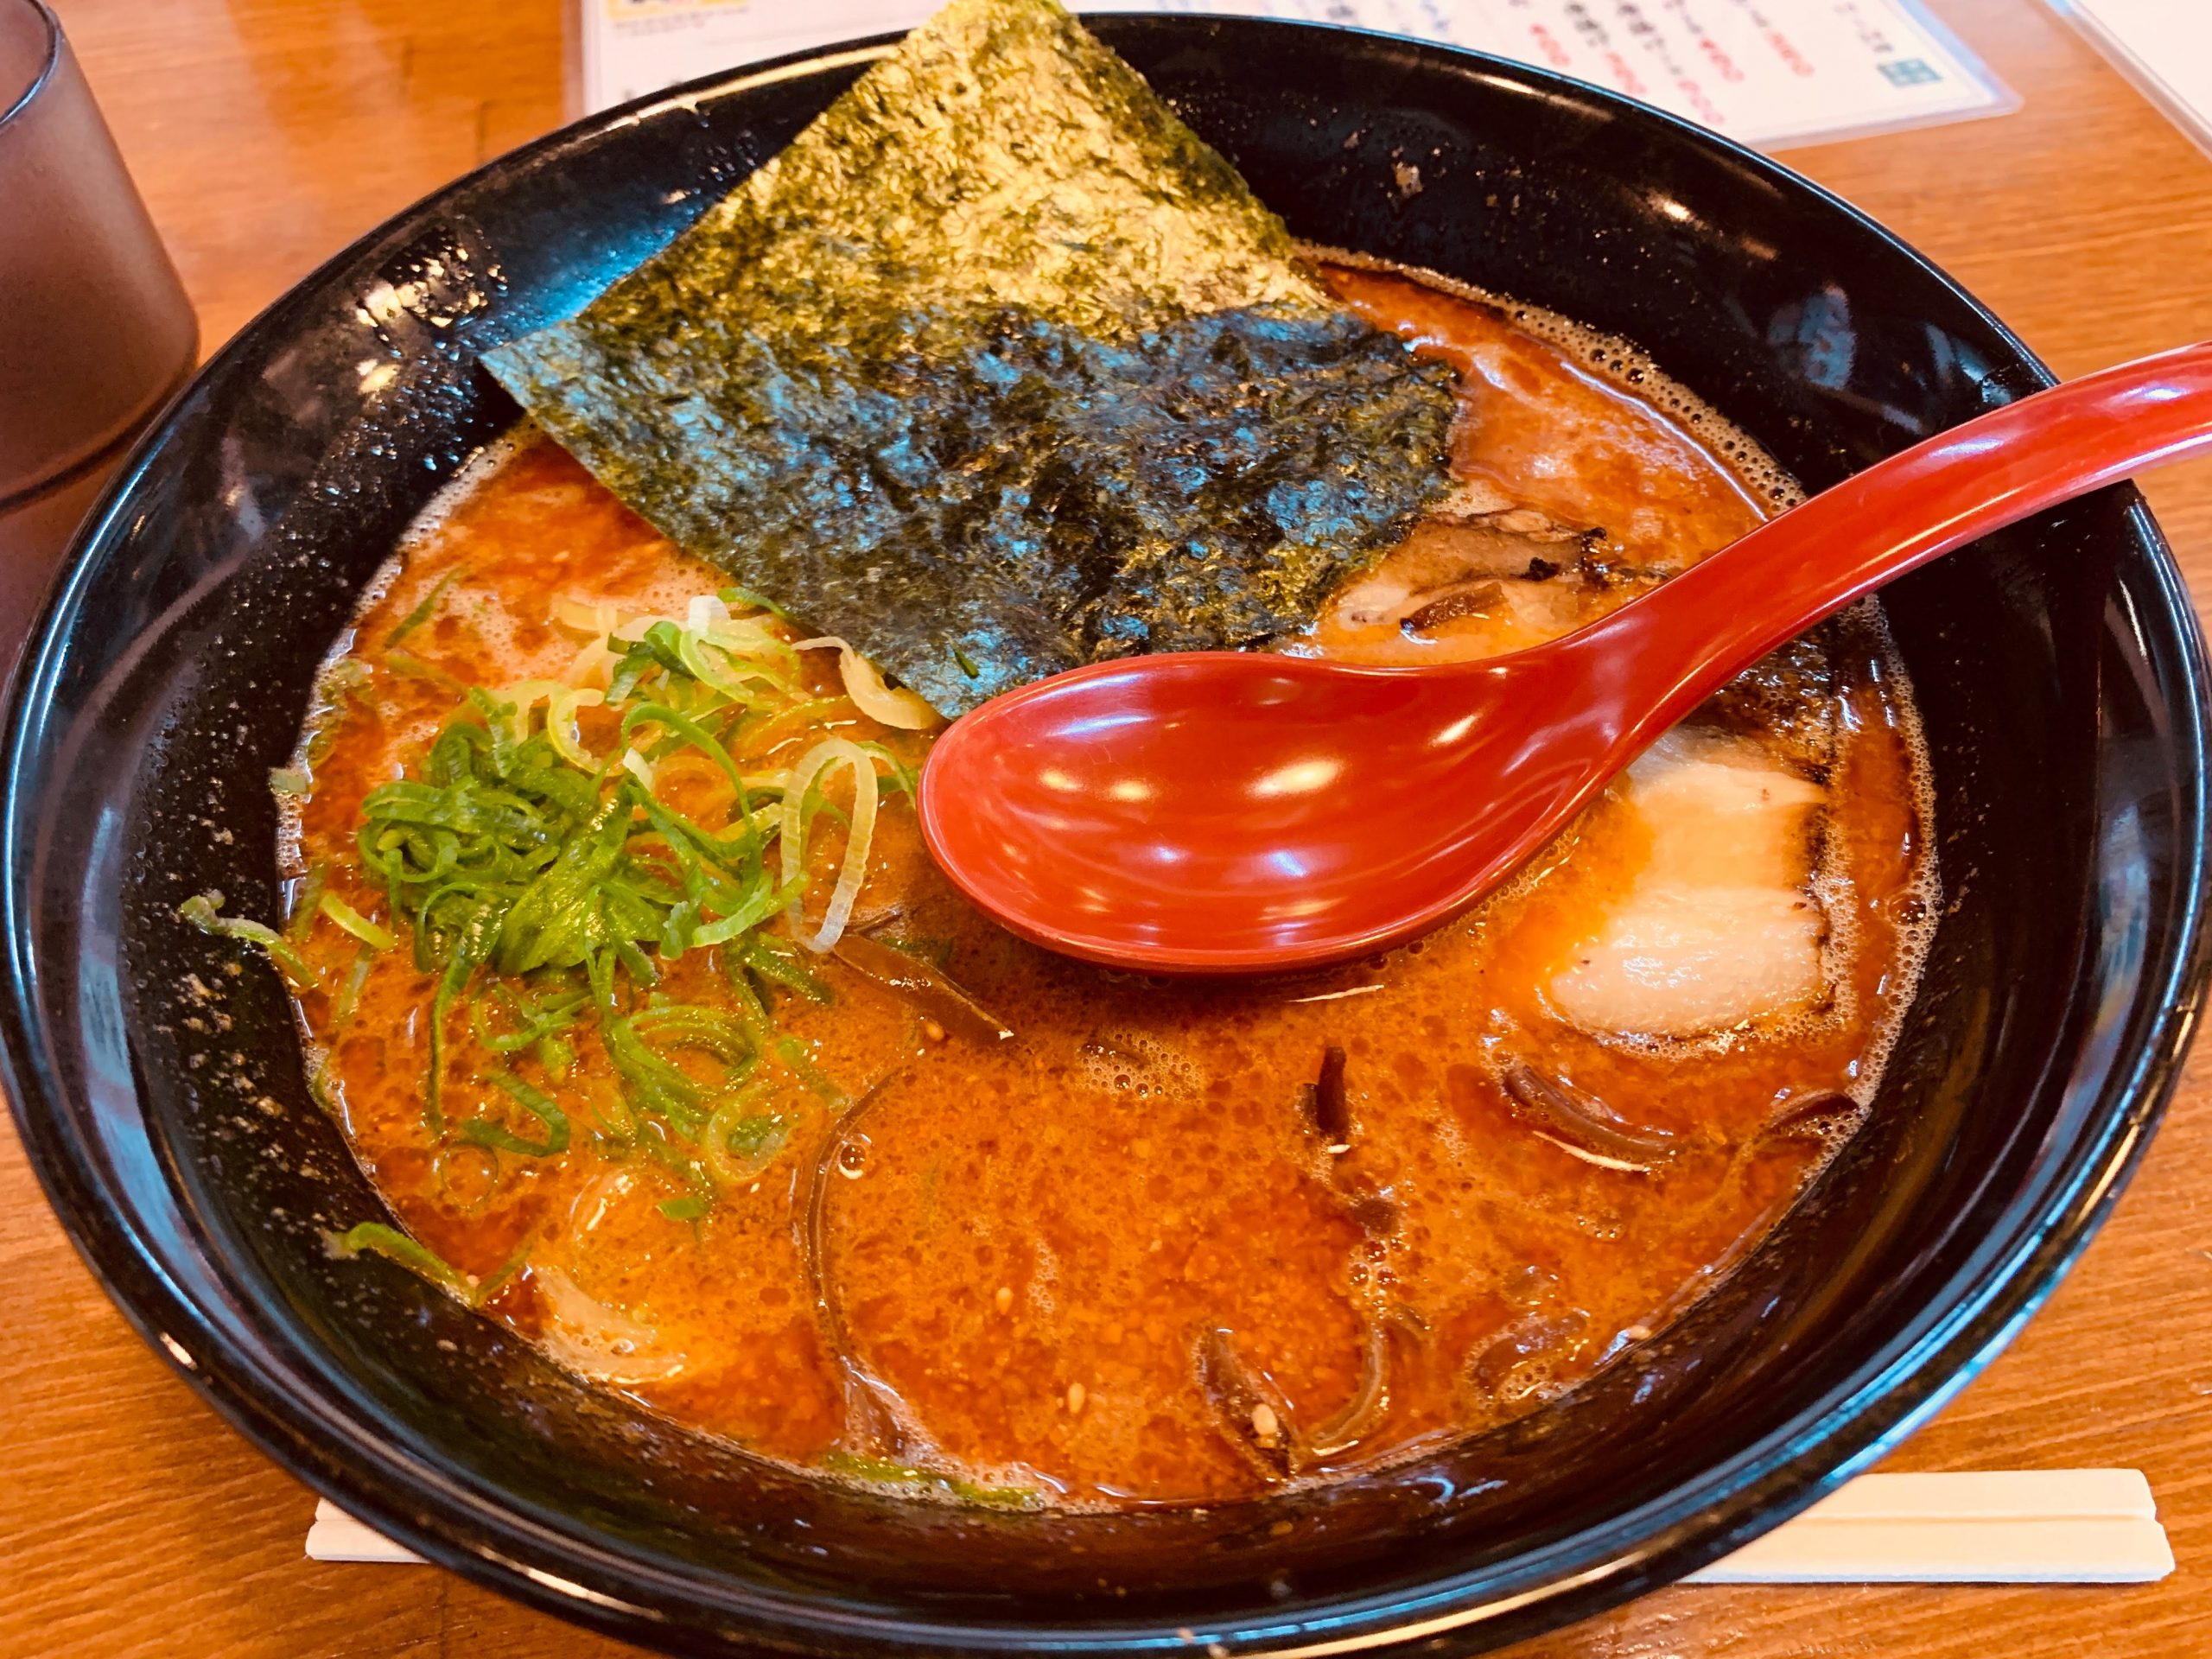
(266, 134)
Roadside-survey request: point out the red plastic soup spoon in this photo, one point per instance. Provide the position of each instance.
(1240, 812)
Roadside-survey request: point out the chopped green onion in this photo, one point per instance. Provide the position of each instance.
(341, 679)
(533, 1022)
(758, 602)
(765, 902)
(349, 993)
(751, 1009)
(741, 1141)
(322, 1090)
(804, 1068)
(407, 663)
(829, 752)
(485, 1133)
(902, 779)
(374, 1237)
(561, 725)
(510, 854)
(353, 922)
(306, 898)
(660, 714)
(798, 716)
(777, 963)
(522, 699)
(854, 1465)
(416, 617)
(657, 1085)
(477, 937)
(199, 911)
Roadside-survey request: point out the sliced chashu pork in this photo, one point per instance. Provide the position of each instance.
(1479, 575)
(1720, 924)
(1482, 574)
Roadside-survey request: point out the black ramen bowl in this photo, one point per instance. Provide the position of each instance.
(2059, 672)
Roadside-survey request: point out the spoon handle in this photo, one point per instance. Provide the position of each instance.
(1691, 635)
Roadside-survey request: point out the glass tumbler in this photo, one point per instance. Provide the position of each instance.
(96, 330)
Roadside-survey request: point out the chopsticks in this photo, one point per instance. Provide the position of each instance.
(2057, 1526)
(337, 1536)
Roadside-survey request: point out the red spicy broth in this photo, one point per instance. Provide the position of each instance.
(1176, 1242)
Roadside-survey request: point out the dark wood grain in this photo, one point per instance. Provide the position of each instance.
(266, 134)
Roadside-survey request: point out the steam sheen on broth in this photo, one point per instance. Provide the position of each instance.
(1172, 1242)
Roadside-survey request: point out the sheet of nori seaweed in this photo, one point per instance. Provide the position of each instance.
(997, 370)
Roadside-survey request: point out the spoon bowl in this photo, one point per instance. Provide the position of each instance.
(1245, 812)
(1162, 814)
